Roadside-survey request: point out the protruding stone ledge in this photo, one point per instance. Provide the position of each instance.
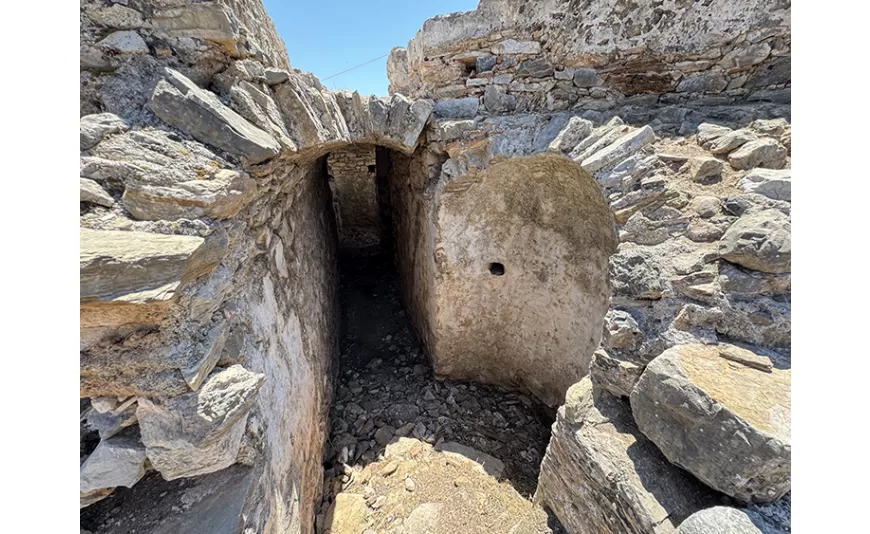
(600, 474)
(705, 406)
(200, 432)
(181, 103)
(140, 267)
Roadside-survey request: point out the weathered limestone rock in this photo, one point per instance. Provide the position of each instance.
(220, 195)
(117, 461)
(703, 169)
(506, 238)
(208, 20)
(259, 108)
(397, 71)
(512, 46)
(620, 149)
(111, 421)
(614, 374)
(635, 274)
(535, 68)
(719, 520)
(347, 515)
(90, 191)
(730, 141)
(92, 128)
(575, 131)
(759, 241)
(115, 16)
(181, 103)
(586, 78)
(707, 133)
(407, 120)
(704, 411)
(497, 100)
(775, 184)
(138, 267)
(457, 108)
(199, 432)
(275, 76)
(124, 42)
(764, 152)
(601, 475)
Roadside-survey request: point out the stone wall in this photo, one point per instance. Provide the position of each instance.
(518, 56)
(352, 178)
(207, 259)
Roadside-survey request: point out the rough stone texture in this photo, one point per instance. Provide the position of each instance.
(775, 184)
(179, 102)
(697, 54)
(90, 191)
(200, 432)
(704, 411)
(92, 128)
(138, 267)
(221, 196)
(759, 241)
(355, 195)
(267, 299)
(719, 520)
(527, 216)
(766, 153)
(601, 474)
(118, 461)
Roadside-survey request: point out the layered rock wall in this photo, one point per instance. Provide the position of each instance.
(353, 180)
(208, 243)
(520, 56)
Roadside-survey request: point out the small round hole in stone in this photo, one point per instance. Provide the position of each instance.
(496, 269)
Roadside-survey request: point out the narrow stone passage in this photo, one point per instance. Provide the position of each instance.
(398, 457)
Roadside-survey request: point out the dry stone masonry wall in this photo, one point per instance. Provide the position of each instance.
(589, 202)
(353, 180)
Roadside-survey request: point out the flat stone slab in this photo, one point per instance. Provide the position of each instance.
(721, 415)
(601, 474)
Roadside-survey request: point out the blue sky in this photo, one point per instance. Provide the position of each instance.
(328, 36)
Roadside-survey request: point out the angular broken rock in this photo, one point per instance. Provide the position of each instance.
(730, 142)
(199, 432)
(219, 196)
(92, 128)
(760, 241)
(614, 374)
(347, 515)
(772, 183)
(707, 133)
(138, 267)
(636, 274)
(719, 520)
(112, 421)
(620, 149)
(575, 131)
(704, 169)
(181, 103)
(726, 422)
(600, 474)
(117, 461)
(406, 119)
(766, 153)
(124, 42)
(91, 191)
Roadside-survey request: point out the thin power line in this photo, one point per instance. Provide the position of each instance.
(356, 67)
